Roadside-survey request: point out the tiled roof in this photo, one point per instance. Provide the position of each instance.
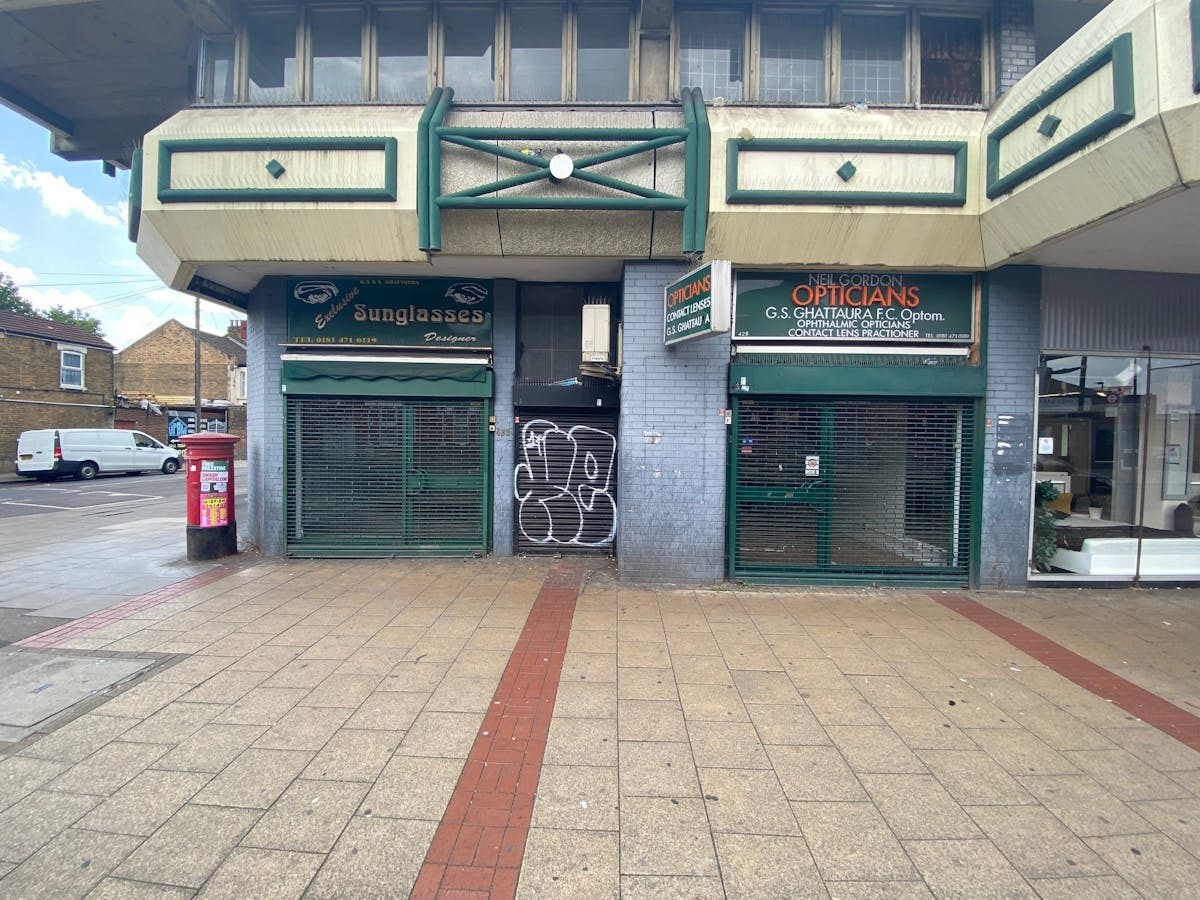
(49, 330)
(226, 345)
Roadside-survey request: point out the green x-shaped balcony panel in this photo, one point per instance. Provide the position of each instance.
(432, 135)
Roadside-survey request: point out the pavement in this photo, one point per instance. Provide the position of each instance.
(535, 728)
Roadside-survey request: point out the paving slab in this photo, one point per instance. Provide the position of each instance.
(38, 685)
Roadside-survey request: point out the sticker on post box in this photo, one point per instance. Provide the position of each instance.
(214, 493)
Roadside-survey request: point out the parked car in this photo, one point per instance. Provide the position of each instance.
(47, 453)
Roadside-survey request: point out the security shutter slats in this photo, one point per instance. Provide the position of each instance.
(846, 487)
(372, 477)
(565, 482)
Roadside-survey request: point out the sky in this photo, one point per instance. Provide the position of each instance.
(64, 241)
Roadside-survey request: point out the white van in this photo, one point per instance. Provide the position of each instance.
(84, 453)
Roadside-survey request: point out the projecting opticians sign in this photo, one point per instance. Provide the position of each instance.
(855, 306)
(390, 312)
(698, 303)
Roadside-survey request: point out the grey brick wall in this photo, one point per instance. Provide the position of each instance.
(266, 330)
(504, 362)
(672, 443)
(1014, 298)
(1016, 44)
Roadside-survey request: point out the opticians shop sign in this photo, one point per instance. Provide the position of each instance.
(698, 304)
(855, 306)
(447, 313)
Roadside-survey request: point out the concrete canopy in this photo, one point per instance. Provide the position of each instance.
(99, 74)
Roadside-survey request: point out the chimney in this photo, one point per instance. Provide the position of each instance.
(237, 330)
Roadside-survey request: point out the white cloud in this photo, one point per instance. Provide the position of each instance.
(8, 240)
(19, 274)
(59, 197)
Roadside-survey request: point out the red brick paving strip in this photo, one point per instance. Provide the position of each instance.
(95, 621)
(480, 842)
(1150, 708)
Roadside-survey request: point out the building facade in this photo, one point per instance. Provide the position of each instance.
(161, 366)
(898, 293)
(51, 376)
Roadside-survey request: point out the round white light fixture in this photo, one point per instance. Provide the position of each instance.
(561, 167)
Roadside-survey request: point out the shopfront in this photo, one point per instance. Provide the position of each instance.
(854, 413)
(387, 392)
(1117, 480)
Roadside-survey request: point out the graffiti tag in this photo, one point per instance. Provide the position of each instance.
(576, 508)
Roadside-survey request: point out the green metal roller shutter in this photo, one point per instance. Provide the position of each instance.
(853, 489)
(386, 476)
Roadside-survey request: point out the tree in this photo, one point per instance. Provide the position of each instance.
(76, 317)
(11, 299)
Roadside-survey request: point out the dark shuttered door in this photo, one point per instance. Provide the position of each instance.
(853, 489)
(386, 476)
(565, 482)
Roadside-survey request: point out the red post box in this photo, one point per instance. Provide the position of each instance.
(211, 523)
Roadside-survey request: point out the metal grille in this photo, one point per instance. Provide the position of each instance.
(849, 487)
(565, 482)
(386, 477)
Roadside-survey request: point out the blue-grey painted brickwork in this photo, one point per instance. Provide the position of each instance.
(1016, 42)
(1013, 342)
(504, 363)
(672, 442)
(266, 330)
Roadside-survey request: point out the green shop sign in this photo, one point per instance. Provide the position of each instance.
(855, 306)
(390, 312)
(698, 303)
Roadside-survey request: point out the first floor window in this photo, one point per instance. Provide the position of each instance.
(872, 67)
(792, 58)
(603, 53)
(402, 37)
(711, 45)
(469, 65)
(337, 59)
(71, 369)
(535, 53)
(271, 39)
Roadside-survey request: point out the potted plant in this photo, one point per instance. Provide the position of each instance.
(1043, 525)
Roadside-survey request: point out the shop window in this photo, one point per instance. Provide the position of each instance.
(402, 42)
(71, 369)
(271, 54)
(603, 53)
(711, 46)
(468, 64)
(535, 53)
(951, 61)
(1118, 466)
(337, 58)
(872, 60)
(792, 58)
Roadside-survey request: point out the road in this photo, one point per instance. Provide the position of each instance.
(28, 497)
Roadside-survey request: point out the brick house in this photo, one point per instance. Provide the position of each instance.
(160, 367)
(51, 376)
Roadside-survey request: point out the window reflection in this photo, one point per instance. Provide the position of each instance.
(468, 64)
(403, 37)
(272, 40)
(535, 59)
(337, 74)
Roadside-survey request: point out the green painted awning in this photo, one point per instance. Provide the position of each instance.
(385, 379)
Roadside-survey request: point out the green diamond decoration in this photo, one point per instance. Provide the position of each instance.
(1049, 126)
(847, 171)
(275, 168)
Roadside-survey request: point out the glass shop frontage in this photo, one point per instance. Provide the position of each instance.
(1117, 469)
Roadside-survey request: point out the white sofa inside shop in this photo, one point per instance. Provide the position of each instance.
(1118, 556)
